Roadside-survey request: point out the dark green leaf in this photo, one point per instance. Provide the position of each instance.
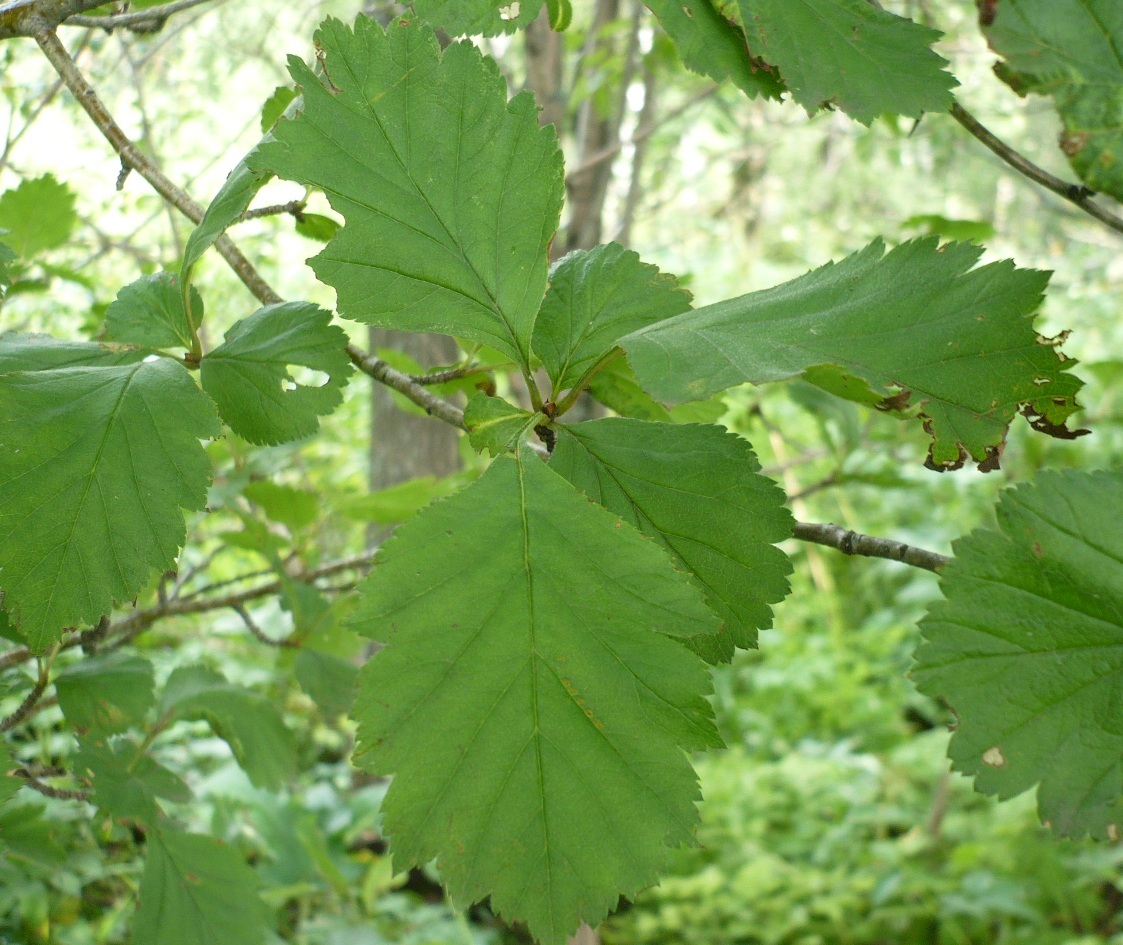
(675, 483)
(1028, 650)
(595, 298)
(495, 425)
(7, 257)
(248, 722)
(96, 464)
(849, 54)
(915, 330)
(533, 698)
(150, 312)
(711, 45)
(1070, 50)
(248, 375)
(196, 891)
(106, 693)
(450, 193)
(39, 215)
(126, 782)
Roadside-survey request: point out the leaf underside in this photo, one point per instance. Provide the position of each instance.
(917, 330)
(531, 700)
(1027, 648)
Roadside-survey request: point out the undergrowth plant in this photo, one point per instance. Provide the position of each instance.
(541, 639)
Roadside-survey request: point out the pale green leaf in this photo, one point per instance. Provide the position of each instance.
(38, 215)
(595, 298)
(849, 54)
(275, 106)
(8, 784)
(247, 721)
(450, 193)
(315, 226)
(150, 312)
(1027, 649)
(1071, 50)
(917, 330)
(293, 508)
(249, 376)
(697, 491)
(713, 46)
(96, 466)
(495, 425)
(477, 17)
(125, 781)
(329, 680)
(533, 699)
(196, 891)
(108, 693)
(397, 503)
(7, 257)
(24, 352)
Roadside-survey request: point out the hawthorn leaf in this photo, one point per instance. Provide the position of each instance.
(697, 490)
(125, 781)
(616, 387)
(7, 257)
(495, 424)
(477, 17)
(96, 466)
(328, 680)
(1070, 50)
(107, 693)
(450, 193)
(1027, 648)
(595, 298)
(711, 45)
(275, 106)
(533, 699)
(247, 721)
(915, 330)
(315, 226)
(150, 312)
(249, 378)
(293, 508)
(849, 54)
(38, 215)
(196, 891)
(30, 352)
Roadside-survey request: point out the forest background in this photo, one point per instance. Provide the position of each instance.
(831, 817)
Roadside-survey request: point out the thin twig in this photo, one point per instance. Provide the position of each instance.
(294, 207)
(855, 543)
(260, 634)
(1076, 194)
(64, 794)
(453, 374)
(26, 707)
(44, 35)
(404, 384)
(145, 21)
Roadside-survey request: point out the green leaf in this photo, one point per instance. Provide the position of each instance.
(108, 693)
(315, 226)
(918, 330)
(150, 312)
(39, 215)
(248, 375)
(197, 891)
(248, 722)
(126, 782)
(1069, 49)
(1028, 650)
(477, 17)
(397, 503)
(329, 680)
(7, 256)
(933, 224)
(595, 298)
(450, 193)
(712, 46)
(24, 352)
(275, 106)
(495, 425)
(533, 699)
(96, 464)
(293, 508)
(849, 54)
(8, 784)
(674, 483)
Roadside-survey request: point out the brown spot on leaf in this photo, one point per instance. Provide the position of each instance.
(1038, 551)
(1073, 142)
(898, 401)
(1043, 424)
(991, 460)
